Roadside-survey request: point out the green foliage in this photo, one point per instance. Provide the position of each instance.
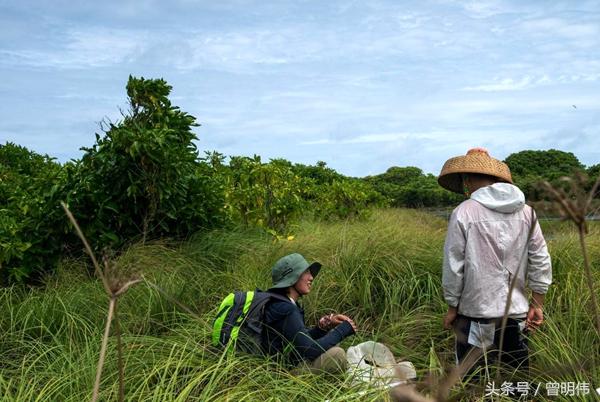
(342, 199)
(409, 187)
(593, 171)
(529, 168)
(267, 195)
(401, 175)
(30, 219)
(143, 177)
(272, 195)
(549, 164)
(319, 173)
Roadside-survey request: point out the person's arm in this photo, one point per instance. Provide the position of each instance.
(316, 332)
(453, 268)
(539, 267)
(539, 275)
(309, 348)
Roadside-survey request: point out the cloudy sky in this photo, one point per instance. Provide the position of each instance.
(361, 85)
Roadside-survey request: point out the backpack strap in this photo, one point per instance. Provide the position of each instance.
(256, 313)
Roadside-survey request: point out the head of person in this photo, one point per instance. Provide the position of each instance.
(293, 275)
(467, 173)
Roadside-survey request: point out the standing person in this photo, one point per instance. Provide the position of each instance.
(286, 334)
(493, 239)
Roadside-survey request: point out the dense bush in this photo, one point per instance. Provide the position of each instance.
(30, 217)
(267, 195)
(529, 168)
(142, 177)
(410, 187)
(344, 199)
(272, 194)
(549, 164)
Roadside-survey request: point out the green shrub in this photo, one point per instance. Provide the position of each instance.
(31, 222)
(142, 178)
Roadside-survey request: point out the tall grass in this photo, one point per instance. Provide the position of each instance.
(384, 271)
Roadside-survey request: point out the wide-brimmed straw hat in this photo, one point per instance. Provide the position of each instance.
(477, 160)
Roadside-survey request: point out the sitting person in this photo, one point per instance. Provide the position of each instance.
(311, 349)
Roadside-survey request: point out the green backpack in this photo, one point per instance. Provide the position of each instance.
(239, 321)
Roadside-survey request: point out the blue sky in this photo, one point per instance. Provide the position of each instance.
(361, 85)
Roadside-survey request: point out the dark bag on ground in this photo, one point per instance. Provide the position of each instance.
(239, 322)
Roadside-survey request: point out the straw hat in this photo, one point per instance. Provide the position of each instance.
(477, 160)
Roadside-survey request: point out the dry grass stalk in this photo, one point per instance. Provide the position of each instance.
(407, 393)
(115, 286)
(574, 206)
(457, 373)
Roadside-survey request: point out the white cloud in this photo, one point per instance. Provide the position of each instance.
(363, 139)
(510, 84)
(483, 9)
(561, 27)
(576, 34)
(83, 48)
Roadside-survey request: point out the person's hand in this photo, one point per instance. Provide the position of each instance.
(339, 318)
(326, 322)
(450, 317)
(535, 317)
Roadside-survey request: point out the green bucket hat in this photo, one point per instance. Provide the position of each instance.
(287, 270)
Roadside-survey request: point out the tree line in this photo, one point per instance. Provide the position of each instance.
(144, 179)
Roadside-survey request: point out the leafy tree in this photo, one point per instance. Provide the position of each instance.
(319, 173)
(547, 164)
(409, 187)
(267, 195)
(349, 198)
(142, 179)
(593, 173)
(402, 175)
(529, 168)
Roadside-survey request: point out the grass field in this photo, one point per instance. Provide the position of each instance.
(384, 271)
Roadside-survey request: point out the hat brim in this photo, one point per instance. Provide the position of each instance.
(477, 162)
(314, 268)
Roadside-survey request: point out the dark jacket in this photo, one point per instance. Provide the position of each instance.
(284, 326)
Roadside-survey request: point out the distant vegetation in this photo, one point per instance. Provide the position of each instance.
(144, 179)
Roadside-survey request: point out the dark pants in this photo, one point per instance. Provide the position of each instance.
(481, 337)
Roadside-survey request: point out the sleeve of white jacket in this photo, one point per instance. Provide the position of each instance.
(454, 261)
(539, 270)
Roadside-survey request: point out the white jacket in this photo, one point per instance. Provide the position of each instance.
(486, 246)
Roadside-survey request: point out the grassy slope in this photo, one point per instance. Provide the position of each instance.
(384, 271)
